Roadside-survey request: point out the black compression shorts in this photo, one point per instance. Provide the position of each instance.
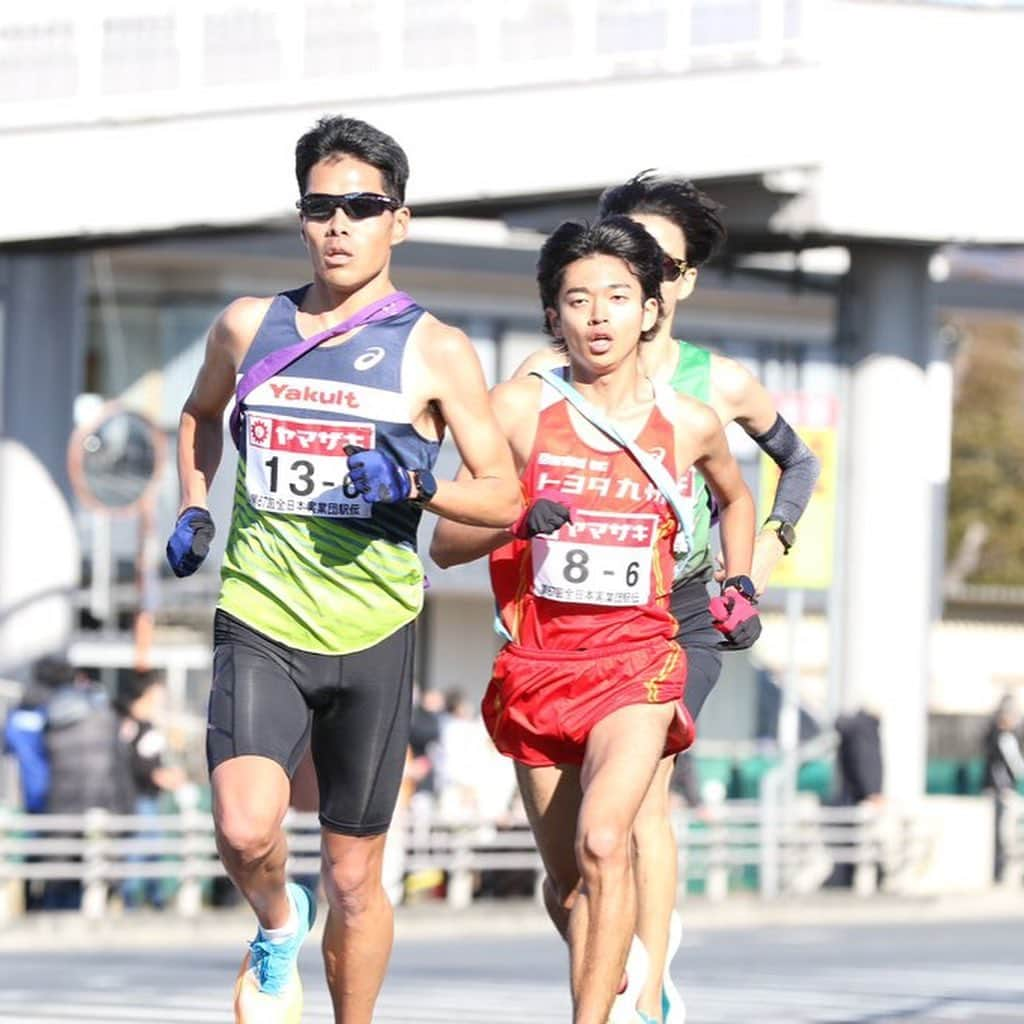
(699, 638)
(270, 700)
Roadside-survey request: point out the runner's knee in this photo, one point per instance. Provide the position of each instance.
(602, 847)
(245, 833)
(352, 873)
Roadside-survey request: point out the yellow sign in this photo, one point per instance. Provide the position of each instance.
(809, 564)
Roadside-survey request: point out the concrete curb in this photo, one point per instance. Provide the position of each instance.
(425, 922)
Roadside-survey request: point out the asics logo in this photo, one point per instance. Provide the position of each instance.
(369, 359)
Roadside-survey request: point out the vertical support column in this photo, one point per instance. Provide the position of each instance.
(43, 296)
(889, 510)
(42, 328)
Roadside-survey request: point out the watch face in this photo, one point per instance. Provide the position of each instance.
(744, 584)
(426, 486)
(787, 535)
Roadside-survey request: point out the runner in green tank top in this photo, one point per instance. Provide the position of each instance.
(313, 636)
(688, 226)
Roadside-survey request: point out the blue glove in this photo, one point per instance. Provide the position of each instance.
(376, 476)
(190, 543)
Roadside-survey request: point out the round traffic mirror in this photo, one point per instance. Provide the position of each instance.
(114, 459)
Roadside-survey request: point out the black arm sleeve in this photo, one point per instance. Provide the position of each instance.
(800, 468)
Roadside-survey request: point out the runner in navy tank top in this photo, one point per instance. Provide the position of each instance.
(321, 581)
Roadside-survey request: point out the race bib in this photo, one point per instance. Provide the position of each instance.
(299, 466)
(599, 558)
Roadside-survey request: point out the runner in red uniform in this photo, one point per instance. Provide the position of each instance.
(585, 695)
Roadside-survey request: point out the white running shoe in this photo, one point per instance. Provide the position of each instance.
(637, 965)
(673, 1009)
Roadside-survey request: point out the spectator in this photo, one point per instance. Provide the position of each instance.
(462, 748)
(145, 773)
(24, 738)
(81, 742)
(424, 736)
(859, 768)
(1004, 769)
(24, 731)
(859, 758)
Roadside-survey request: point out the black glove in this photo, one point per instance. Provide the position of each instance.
(544, 516)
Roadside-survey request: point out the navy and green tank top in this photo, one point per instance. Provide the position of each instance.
(693, 377)
(308, 562)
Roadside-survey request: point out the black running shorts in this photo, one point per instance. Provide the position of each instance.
(271, 700)
(699, 638)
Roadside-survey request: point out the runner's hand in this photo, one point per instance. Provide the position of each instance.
(544, 516)
(376, 476)
(190, 543)
(736, 618)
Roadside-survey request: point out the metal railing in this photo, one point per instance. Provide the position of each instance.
(721, 851)
(62, 61)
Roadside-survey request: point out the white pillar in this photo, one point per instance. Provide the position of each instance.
(887, 334)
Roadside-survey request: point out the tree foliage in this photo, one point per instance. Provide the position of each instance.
(987, 473)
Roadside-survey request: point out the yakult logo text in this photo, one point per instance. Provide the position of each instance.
(341, 397)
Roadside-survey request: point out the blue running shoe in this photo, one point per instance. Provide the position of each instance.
(268, 986)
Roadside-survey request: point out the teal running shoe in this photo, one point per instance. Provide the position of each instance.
(269, 972)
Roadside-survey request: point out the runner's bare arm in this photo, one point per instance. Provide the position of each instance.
(489, 496)
(456, 543)
(722, 473)
(739, 395)
(201, 427)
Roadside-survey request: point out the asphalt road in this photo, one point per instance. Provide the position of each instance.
(793, 974)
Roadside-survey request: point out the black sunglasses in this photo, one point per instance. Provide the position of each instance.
(357, 205)
(672, 269)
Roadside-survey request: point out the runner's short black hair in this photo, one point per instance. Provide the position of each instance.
(336, 135)
(612, 236)
(696, 214)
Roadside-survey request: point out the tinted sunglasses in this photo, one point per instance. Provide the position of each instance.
(356, 205)
(673, 269)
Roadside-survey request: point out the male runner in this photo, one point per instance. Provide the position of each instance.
(321, 582)
(585, 694)
(688, 226)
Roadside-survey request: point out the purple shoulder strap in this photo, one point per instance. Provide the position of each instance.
(274, 362)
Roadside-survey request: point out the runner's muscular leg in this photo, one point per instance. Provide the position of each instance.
(360, 924)
(622, 755)
(551, 797)
(250, 798)
(656, 880)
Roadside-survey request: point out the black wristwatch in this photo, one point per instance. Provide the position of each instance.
(785, 532)
(426, 487)
(744, 584)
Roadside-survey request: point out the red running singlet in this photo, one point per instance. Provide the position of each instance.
(605, 577)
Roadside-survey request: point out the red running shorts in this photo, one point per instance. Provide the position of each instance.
(541, 705)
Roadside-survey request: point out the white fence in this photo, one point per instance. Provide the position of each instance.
(731, 847)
